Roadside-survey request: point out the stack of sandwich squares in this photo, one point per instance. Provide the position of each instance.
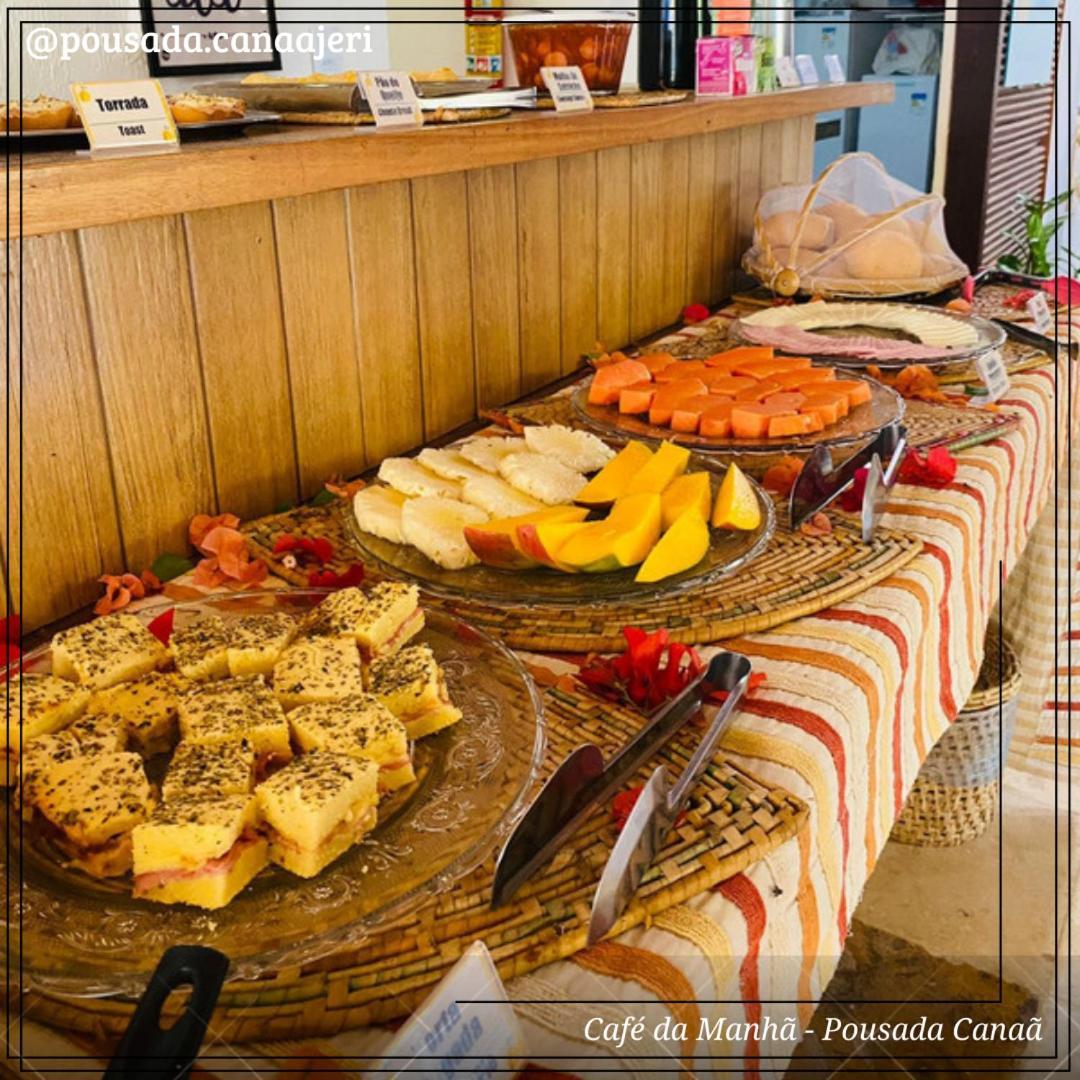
(282, 735)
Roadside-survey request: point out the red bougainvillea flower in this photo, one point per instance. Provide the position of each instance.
(695, 313)
(344, 489)
(327, 579)
(162, 626)
(780, 478)
(228, 560)
(816, 525)
(755, 680)
(320, 549)
(936, 469)
(649, 672)
(121, 589)
(623, 803)
(10, 647)
(851, 499)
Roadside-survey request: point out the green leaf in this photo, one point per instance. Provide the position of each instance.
(1009, 262)
(323, 498)
(282, 508)
(168, 566)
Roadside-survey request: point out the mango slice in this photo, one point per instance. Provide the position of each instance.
(623, 539)
(681, 547)
(495, 543)
(686, 492)
(613, 479)
(542, 541)
(668, 462)
(737, 505)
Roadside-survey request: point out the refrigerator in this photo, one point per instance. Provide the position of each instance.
(901, 134)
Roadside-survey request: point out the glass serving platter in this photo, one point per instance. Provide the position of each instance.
(728, 550)
(885, 407)
(76, 935)
(989, 336)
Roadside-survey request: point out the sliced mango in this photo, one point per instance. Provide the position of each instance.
(622, 539)
(681, 547)
(542, 541)
(613, 479)
(687, 492)
(495, 543)
(668, 462)
(737, 505)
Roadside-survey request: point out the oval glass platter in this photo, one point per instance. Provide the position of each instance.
(85, 937)
(988, 336)
(861, 424)
(542, 587)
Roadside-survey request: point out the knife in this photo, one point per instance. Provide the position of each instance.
(820, 482)
(581, 782)
(660, 803)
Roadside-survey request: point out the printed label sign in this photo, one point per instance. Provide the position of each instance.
(130, 117)
(833, 68)
(1039, 312)
(991, 369)
(568, 90)
(785, 71)
(804, 64)
(449, 1034)
(392, 99)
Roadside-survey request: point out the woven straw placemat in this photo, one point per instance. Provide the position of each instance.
(733, 820)
(796, 575)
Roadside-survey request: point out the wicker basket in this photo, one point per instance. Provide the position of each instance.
(955, 794)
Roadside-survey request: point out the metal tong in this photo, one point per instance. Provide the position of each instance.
(584, 779)
(820, 482)
(661, 802)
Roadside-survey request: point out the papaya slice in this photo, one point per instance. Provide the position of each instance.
(780, 365)
(856, 391)
(657, 361)
(687, 414)
(680, 369)
(715, 422)
(731, 385)
(789, 399)
(750, 420)
(610, 380)
(668, 395)
(798, 424)
(637, 398)
(796, 380)
(740, 355)
(824, 406)
(761, 389)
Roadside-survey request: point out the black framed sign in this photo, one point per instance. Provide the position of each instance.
(210, 37)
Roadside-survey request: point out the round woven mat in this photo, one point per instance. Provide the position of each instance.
(796, 575)
(733, 820)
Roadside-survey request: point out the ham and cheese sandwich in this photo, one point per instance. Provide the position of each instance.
(36, 705)
(316, 670)
(412, 686)
(209, 771)
(236, 710)
(107, 651)
(362, 728)
(88, 807)
(380, 620)
(200, 650)
(316, 808)
(148, 707)
(256, 642)
(199, 852)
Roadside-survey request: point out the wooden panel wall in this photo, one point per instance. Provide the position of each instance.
(233, 359)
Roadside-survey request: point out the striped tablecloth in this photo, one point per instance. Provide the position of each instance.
(854, 699)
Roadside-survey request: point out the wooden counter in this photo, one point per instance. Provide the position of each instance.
(62, 191)
(224, 328)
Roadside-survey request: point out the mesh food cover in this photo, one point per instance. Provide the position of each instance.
(856, 231)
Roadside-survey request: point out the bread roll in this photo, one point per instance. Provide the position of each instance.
(780, 229)
(846, 218)
(881, 223)
(884, 255)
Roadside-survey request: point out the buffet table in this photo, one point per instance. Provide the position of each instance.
(854, 698)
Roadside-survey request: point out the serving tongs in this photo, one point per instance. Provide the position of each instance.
(820, 482)
(584, 779)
